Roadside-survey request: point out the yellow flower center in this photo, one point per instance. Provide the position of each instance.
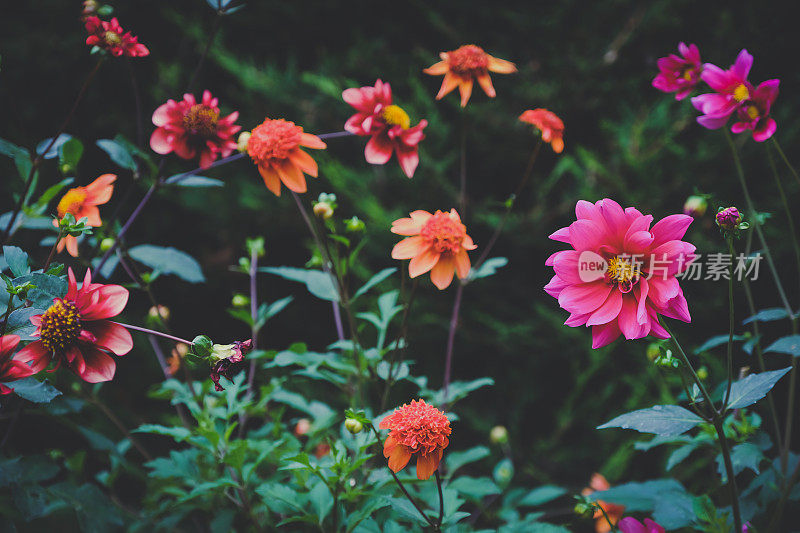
(60, 327)
(113, 38)
(687, 75)
(71, 202)
(752, 112)
(622, 271)
(394, 115)
(740, 93)
(201, 120)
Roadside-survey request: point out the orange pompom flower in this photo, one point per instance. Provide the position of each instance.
(599, 483)
(82, 202)
(416, 428)
(274, 146)
(464, 65)
(437, 242)
(549, 124)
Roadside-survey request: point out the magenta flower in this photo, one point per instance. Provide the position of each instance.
(754, 113)
(631, 525)
(731, 89)
(620, 274)
(677, 74)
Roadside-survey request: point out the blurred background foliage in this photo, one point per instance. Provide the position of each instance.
(590, 62)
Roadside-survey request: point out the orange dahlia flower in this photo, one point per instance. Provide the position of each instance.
(599, 483)
(549, 124)
(416, 428)
(464, 65)
(274, 146)
(437, 242)
(82, 202)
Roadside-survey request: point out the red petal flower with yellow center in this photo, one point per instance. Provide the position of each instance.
(75, 331)
(437, 243)
(110, 36)
(11, 369)
(189, 129)
(388, 125)
(416, 428)
(82, 202)
(599, 483)
(464, 65)
(549, 124)
(274, 146)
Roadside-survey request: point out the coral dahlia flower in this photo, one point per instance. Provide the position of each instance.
(387, 125)
(437, 243)
(110, 36)
(82, 202)
(416, 428)
(631, 525)
(462, 66)
(754, 112)
(274, 146)
(679, 74)
(731, 89)
(190, 129)
(549, 124)
(599, 483)
(11, 369)
(619, 275)
(75, 331)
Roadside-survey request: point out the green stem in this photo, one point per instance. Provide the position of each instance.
(726, 456)
(441, 499)
(730, 326)
(686, 362)
(605, 515)
(785, 159)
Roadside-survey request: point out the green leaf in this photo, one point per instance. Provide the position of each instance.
(53, 151)
(17, 260)
(749, 390)
(364, 512)
(168, 260)
(743, 456)
(456, 460)
(47, 288)
(318, 283)
(667, 420)
(542, 495)
(789, 345)
(460, 389)
(717, 340)
(767, 315)
(321, 501)
(374, 280)
(21, 157)
(178, 433)
(70, 152)
(680, 454)
(489, 267)
(667, 500)
(19, 322)
(474, 488)
(118, 153)
(193, 181)
(34, 390)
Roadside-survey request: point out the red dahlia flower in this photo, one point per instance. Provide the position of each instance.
(82, 202)
(620, 273)
(549, 124)
(75, 331)
(754, 112)
(464, 65)
(274, 146)
(189, 129)
(416, 428)
(388, 125)
(679, 74)
(731, 89)
(110, 36)
(11, 369)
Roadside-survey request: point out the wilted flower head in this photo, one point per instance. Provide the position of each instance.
(75, 331)
(754, 112)
(110, 36)
(679, 74)
(11, 369)
(599, 483)
(731, 89)
(464, 65)
(192, 129)
(619, 275)
(274, 146)
(82, 202)
(549, 124)
(728, 218)
(631, 525)
(437, 243)
(416, 428)
(388, 126)
(695, 206)
(225, 359)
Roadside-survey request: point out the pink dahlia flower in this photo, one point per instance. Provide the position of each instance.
(679, 74)
(388, 125)
(190, 129)
(110, 36)
(620, 273)
(631, 525)
(754, 113)
(731, 89)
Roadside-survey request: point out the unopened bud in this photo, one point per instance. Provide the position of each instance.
(240, 300)
(695, 206)
(702, 372)
(241, 142)
(353, 426)
(584, 510)
(323, 210)
(106, 244)
(728, 218)
(498, 435)
(354, 225)
(653, 351)
(157, 311)
(66, 168)
(302, 427)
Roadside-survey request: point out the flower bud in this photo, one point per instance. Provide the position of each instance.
(240, 300)
(323, 210)
(354, 225)
(66, 168)
(241, 142)
(302, 427)
(353, 426)
(728, 218)
(584, 510)
(702, 372)
(695, 206)
(106, 244)
(498, 435)
(653, 351)
(157, 311)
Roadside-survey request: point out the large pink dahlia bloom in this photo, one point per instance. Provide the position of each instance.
(620, 273)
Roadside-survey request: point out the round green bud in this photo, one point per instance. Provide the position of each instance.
(240, 300)
(702, 372)
(353, 426)
(498, 435)
(107, 243)
(584, 510)
(354, 225)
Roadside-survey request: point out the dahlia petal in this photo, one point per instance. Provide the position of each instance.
(585, 235)
(577, 319)
(111, 300)
(608, 311)
(462, 264)
(408, 159)
(605, 334)
(739, 127)
(501, 66)
(206, 158)
(485, 81)
(100, 190)
(716, 78)
(615, 218)
(399, 458)
(412, 225)
(409, 247)
(742, 65)
(413, 136)
(422, 263)
(271, 179)
(761, 134)
(311, 141)
(662, 290)
(8, 343)
(355, 97)
(467, 243)
(182, 149)
(378, 150)
(641, 290)
(161, 115)
(36, 354)
(437, 69)
(638, 241)
(426, 465)
(627, 321)
(678, 309)
(111, 336)
(670, 228)
(465, 89)
(631, 525)
(584, 297)
(291, 176)
(558, 145)
(450, 82)
(160, 141)
(555, 286)
(92, 215)
(713, 122)
(71, 244)
(97, 365)
(561, 235)
(443, 271)
(304, 162)
(566, 266)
